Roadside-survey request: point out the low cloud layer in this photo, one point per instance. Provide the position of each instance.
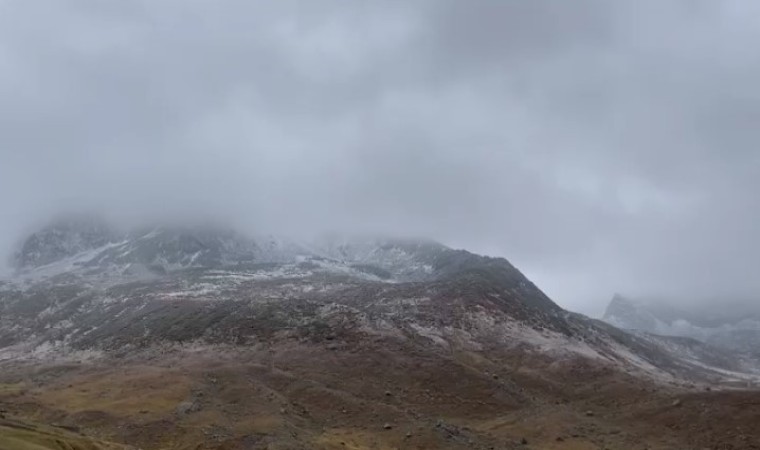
(600, 146)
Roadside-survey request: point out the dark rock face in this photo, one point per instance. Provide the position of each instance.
(173, 248)
(95, 246)
(64, 238)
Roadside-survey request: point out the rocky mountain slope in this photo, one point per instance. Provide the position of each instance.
(167, 337)
(82, 286)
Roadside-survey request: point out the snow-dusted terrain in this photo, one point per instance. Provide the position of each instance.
(84, 290)
(731, 329)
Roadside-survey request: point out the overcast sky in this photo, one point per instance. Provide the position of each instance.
(599, 145)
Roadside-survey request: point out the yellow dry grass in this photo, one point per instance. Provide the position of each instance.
(28, 436)
(141, 390)
(352, 439)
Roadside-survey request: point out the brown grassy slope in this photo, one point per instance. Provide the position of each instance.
(24, 435)
(374, 395)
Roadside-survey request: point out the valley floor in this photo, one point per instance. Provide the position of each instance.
(295, 395)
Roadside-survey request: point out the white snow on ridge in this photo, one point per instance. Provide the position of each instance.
(65, 265)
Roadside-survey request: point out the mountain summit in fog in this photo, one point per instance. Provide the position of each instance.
(240, 326)
(334, 225)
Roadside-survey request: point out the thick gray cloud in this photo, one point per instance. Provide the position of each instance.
(601, 146)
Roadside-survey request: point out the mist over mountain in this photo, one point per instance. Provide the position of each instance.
(210, 262)
(602, 147)
(730, 324)
(138, 325)
(320, 224)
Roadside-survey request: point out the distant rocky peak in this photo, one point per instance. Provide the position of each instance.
(627, 313)
(620, 304)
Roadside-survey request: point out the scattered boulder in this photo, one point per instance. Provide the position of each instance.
(388, 426)
(187, 407)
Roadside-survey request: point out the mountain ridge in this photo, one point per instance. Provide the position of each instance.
(218, 267)
(195, 335)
